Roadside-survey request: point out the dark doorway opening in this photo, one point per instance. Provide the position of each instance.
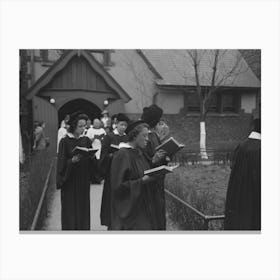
(75, 105)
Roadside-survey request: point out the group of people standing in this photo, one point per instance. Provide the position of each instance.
(130, 199)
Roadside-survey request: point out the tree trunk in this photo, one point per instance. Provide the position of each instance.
(21, 153)
(203, 152)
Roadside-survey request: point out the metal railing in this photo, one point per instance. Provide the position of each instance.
(194, 157)
(206, 218)
(42, 198)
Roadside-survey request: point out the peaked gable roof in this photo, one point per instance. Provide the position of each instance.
(175, 67)
(63, 61)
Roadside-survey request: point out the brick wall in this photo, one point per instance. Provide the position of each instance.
(223, 132)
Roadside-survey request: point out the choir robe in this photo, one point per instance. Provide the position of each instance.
(158, 190)
(131, 200)
(104, 167)
(243, 200)
(74, 181)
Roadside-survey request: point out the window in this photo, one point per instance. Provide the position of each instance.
(193, 101)
(213, 103)
(223, 101)
(230, 102)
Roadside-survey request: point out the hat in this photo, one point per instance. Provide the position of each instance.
(114, 116)
(132, 125)
(151, 115)
(104, 112)
(122, 118)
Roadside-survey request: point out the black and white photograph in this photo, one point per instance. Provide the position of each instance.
(175, 139)
(139, 139)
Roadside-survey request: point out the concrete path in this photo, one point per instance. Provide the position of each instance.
(53, 221)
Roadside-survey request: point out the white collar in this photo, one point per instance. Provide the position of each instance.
(72, 136)
(125, 145)
(116, 132)
(255, 135)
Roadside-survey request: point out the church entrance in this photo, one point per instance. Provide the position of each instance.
(82, 105)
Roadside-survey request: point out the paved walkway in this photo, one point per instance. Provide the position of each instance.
(53, 222)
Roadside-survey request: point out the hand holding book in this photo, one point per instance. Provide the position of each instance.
(170, 146)
(83, 151)
(76, 158)
(160, 171)
(98, 137)
(158, 156)
(147, 179)
(113, 148)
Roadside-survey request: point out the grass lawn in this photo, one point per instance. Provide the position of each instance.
(204, 187)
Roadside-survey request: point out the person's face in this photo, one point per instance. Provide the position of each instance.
(109, 122)
(141, 139)
(88, 123)
(121, 127)
(43, 125)
(80, 127)
(67, 118)
(96, 124)
(105, 116)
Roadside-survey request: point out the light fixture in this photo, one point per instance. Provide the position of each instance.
(106, 102)
(52, 100)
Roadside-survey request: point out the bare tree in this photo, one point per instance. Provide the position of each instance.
(221, 71)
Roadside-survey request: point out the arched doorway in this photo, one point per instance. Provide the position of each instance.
(75, 105)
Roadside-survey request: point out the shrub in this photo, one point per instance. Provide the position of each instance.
(32, 178)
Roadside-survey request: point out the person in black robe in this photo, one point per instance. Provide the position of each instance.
(116, 137)
(132, 204)
(152, 115)
(73, 176)
(243, 200)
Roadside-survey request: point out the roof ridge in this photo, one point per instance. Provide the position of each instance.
(149, 64)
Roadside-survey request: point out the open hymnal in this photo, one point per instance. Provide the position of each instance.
(99, 137)
(114, 148)
(84, 151)
(160, 170)
(171, 146)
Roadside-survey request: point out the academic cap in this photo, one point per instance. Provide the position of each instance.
(122, 118)
(132, 125)
(151, 115)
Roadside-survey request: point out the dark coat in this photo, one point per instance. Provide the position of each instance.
(74, 181)
(105, 167)
(158, 191)
(132, 203)
(243, 200)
